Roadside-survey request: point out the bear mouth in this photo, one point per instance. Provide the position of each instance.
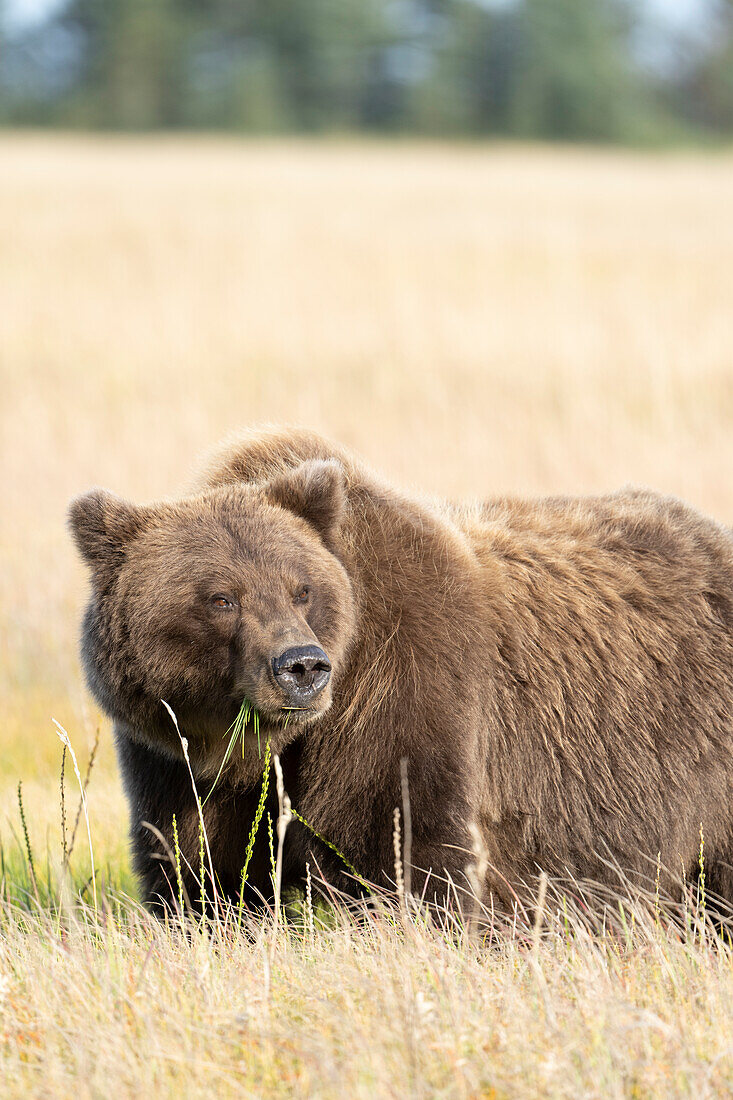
(282, 718)
(291, 716)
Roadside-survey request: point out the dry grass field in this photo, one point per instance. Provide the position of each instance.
(472, 320)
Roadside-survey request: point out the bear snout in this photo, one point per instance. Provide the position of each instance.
(302, 673)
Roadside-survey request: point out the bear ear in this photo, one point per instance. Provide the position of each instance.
(316, 491)
(102, 524)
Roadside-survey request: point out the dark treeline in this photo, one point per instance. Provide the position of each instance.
(567, 69)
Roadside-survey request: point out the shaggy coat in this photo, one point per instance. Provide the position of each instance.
(558, 673)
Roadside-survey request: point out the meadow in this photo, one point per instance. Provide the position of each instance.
(474, 320)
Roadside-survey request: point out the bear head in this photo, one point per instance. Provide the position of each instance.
(238, 593)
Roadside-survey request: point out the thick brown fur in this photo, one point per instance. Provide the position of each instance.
(559, 672)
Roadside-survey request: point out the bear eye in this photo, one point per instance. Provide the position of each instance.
(222, 601)
(302, 595)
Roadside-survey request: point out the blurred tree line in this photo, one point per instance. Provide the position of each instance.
(568, 69)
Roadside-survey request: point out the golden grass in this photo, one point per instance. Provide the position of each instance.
(474, 321)
(360, 1014)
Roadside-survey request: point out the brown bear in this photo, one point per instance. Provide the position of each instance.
(557, 674)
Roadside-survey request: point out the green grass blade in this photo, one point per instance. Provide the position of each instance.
(235, 731)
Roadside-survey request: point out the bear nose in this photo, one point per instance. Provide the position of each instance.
(302, 672)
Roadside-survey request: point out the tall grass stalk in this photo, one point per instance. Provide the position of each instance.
(271, 847)
(62, 792)
(397, 845)
(701, 862)
(87, 777)
(27, 839)
(309, 902)
(284, 818)
(177, 858)
(202, 870)
(407, 822)
(203, 835)
(329, 844)
(256, 822)
(65, 740)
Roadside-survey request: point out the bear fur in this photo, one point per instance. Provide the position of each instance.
(557, 674)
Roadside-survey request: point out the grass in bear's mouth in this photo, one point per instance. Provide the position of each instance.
(236, 732)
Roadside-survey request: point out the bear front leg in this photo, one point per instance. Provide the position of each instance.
(440, 872)
(158, 789)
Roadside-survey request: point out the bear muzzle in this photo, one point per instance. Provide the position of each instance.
(301, 673)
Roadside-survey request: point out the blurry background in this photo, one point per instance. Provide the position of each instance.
(490, 246)
(610, 70)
